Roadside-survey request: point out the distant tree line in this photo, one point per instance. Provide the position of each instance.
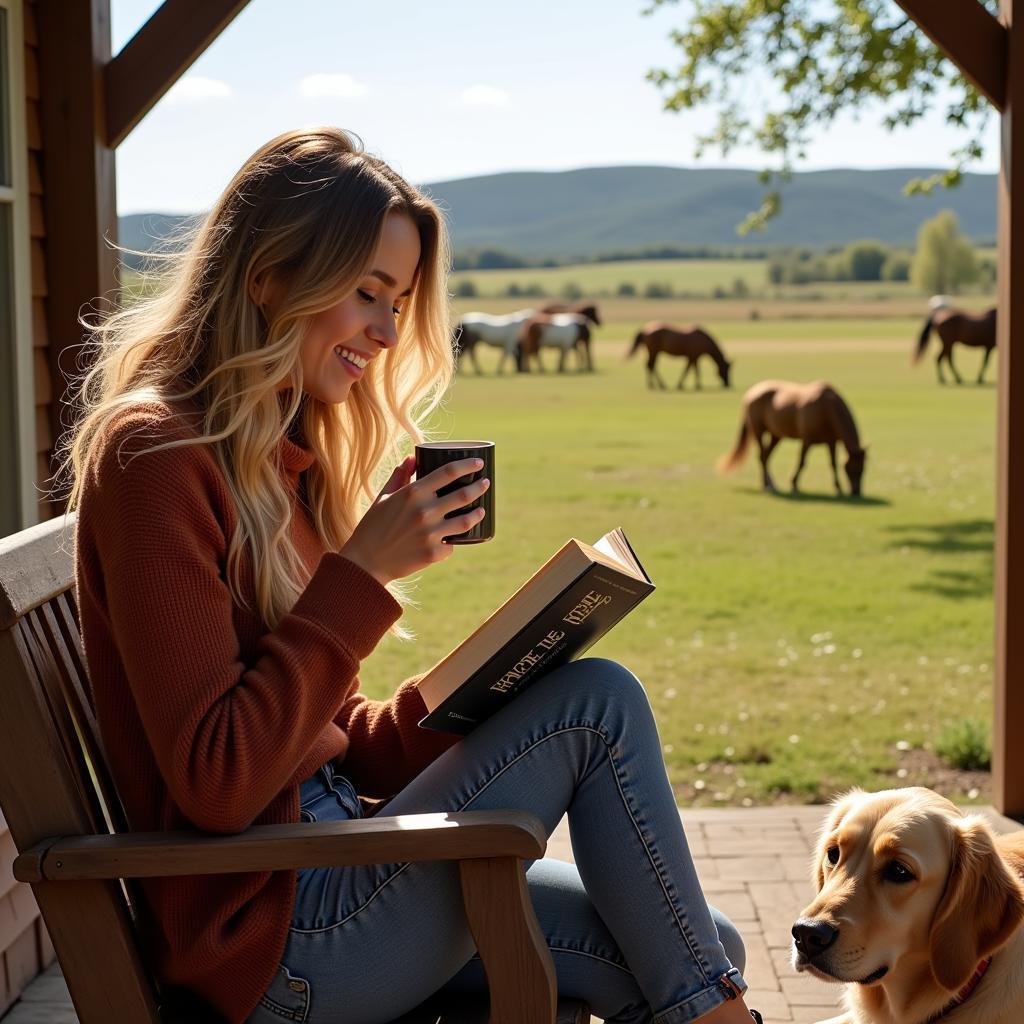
(571, 291)
(866, 260)
(501, 259)
(686, 252)
(943, 262)
(496, 259)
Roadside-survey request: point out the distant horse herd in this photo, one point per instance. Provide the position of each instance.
(772, 410)
(522, 334)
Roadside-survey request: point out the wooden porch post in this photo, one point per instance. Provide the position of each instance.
(78, 173)
(1008, 728)
(991, 55)
(89, 102)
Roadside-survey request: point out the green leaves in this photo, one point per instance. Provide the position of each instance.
(820, 58)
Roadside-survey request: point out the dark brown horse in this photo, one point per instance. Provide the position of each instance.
(812, 413)
(976, 330)
(464, 341)
(587, 309)
(692, 344)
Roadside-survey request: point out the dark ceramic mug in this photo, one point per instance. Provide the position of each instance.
(430, 455)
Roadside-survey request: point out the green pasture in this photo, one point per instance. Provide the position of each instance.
(795, 645)
(695, 277)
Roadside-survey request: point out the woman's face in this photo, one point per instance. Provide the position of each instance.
(344, 338)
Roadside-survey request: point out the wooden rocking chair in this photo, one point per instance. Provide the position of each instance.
(78, 855)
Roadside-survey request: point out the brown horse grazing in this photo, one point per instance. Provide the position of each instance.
(587, 309)
(813, 413)
(952, 325)
(694, 343)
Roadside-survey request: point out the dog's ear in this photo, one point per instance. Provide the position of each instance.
(841, 806)
(981, 908)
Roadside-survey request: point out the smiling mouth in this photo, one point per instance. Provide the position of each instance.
(352, 357)
(352, 360)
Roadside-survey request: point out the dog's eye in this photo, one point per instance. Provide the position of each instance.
(897, 873)
(832, 853)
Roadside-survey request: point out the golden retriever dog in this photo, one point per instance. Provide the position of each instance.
(918, 912)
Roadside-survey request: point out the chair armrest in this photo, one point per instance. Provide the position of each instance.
(383, 840)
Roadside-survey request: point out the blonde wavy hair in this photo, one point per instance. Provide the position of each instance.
(308, 207)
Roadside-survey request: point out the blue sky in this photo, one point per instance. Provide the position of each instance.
(449, 89)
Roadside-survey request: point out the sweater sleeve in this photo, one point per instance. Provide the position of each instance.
(387, 748)
(227, 736)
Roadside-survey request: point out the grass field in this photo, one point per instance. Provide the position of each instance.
(686, 278)
(795, 645)
(695, 277)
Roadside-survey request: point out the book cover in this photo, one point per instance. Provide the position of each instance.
(582, 599)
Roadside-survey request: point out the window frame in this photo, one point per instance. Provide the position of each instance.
(16, 195)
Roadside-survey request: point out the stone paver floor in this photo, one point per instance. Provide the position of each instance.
(754, 866)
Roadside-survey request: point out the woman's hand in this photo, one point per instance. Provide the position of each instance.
(402, 530)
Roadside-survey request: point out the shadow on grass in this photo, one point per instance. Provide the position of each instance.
(803, 497)
(963, 537)
(956, 585)
(712, 389)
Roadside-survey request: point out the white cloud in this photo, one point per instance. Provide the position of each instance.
(484, 96)
(195, 88)
(335, 86)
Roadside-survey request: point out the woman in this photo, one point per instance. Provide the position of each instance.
(235, 566)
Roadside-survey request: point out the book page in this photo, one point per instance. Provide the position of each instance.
(615, 546)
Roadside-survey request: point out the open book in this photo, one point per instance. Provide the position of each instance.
(567, 605)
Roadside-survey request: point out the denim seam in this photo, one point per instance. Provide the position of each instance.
(270, 1006)
(376, 892)
(527, 750)
(571, 950)
(590, 956)
(683, 928)
(373, 895)
(655, 861)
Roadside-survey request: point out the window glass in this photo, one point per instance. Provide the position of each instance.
(9, 510)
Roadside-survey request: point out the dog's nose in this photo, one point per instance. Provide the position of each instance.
(813, 937)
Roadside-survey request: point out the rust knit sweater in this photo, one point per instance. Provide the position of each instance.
(209, 719)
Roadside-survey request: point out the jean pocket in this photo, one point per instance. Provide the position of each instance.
(287, 997)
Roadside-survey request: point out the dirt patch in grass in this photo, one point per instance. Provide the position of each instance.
(926, 768)
(721, 783)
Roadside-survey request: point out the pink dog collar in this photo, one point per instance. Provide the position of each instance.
(965, 993)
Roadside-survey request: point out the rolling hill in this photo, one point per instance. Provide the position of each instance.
(585, 213)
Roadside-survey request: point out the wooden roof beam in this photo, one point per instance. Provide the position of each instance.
(157, 56)
(972, 38)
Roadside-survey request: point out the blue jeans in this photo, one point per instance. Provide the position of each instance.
(628, 927)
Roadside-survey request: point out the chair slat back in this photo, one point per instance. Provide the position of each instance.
(54, 778)
(70, 699)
